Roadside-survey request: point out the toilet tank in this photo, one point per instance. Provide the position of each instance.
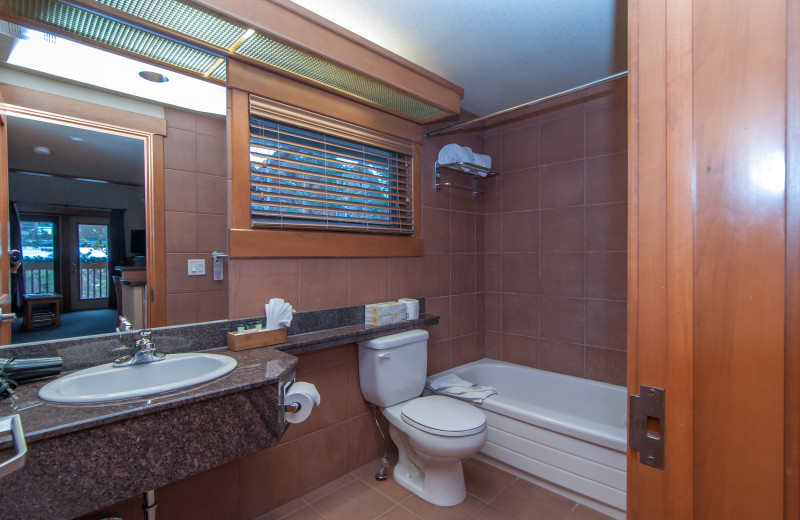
(392, 369)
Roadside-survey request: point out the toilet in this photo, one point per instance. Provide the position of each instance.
(433, 433)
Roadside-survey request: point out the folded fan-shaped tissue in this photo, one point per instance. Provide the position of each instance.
(279, 314)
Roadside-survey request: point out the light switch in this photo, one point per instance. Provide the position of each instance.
(197, 267)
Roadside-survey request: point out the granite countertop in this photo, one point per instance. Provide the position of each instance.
(43, 419)
(311, 341)
(155, 441)
(255, 367)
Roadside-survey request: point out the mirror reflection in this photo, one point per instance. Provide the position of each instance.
(77, 214)
(77, 209)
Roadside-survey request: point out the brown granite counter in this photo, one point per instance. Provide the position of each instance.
(87, 456)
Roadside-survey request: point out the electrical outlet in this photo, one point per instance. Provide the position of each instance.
(197, 267)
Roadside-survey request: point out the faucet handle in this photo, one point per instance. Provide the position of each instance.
(145, 343)
(124, 324)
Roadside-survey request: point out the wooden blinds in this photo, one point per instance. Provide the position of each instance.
(313, 172)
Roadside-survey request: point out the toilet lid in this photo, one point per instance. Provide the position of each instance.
(441, 415)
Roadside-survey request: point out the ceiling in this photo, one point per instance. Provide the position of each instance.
(503, 52)
(114, 158)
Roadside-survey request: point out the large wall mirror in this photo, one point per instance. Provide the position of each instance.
(77, 194)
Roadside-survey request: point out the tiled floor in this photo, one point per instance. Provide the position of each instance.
(492, 495)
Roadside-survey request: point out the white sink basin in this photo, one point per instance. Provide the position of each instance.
(108, 383)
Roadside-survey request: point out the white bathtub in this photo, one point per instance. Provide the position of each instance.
(564, 433)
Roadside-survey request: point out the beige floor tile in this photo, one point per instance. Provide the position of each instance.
(328, 488)
(399, 513)
(428, 511)
(485, 481)
(354, 501)
(388, 487)
(526, 501)
(306, 513)
(492, 513)
(585, 513)
(284, 510)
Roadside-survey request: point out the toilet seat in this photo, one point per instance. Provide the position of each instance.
(439, 415)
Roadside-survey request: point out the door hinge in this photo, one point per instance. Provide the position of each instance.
(646, 425)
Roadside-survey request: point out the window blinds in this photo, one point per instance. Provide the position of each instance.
(302, 177)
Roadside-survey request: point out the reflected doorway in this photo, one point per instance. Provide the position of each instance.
(89, 269)
(78, 192)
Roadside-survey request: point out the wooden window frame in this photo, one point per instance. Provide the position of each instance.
(247, 242)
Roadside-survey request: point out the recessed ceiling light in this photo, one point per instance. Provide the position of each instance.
(76, 139)
(41, 150)
(155, 77)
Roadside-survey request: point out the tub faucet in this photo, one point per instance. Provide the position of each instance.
(145, 352)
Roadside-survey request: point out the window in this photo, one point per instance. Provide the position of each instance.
(315, 176)
(38, 253)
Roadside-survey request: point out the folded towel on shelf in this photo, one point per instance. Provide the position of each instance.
(453, 385)
(483, 160)
(453, 153)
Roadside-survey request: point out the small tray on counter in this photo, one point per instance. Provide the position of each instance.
(255, 338)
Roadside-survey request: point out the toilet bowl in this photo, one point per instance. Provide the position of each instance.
(433, 433)
(429, 464)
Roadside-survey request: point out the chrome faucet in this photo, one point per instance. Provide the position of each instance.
(145, 352)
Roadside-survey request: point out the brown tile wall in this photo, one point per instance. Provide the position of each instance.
(452, 274)
(341, 435)
(195, 220)
(532, 272)
(556, 236)
(337, 438)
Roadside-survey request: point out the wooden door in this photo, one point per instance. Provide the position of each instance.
(707, 265)
(89, 278)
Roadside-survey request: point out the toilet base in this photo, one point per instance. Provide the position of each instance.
(440, 482)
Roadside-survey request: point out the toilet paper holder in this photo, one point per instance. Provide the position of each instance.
(299, 399)
(290, 407)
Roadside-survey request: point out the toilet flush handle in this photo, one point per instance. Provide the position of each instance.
(385, 355)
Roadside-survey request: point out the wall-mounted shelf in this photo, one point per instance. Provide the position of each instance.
(472, 169)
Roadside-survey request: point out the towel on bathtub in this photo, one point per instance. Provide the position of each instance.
(451, 384)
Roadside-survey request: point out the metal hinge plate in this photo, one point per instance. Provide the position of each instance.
(646, 425)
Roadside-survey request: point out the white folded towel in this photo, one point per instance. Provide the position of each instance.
(483, 160)
(453, 153)
(451, 384)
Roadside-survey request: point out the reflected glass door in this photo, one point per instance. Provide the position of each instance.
(39, 253)
(89, 263)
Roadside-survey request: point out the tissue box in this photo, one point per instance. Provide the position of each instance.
(386, 313)
(389, 319)
(384, 309)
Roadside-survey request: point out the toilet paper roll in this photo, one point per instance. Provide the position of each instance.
(412, 308)
(304, 394)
